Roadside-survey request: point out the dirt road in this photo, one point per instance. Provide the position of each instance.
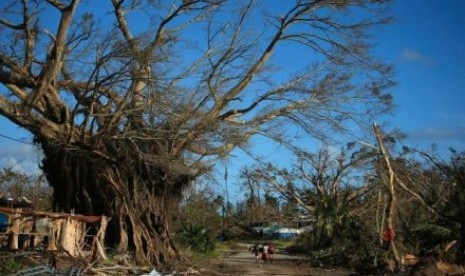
(242, 262)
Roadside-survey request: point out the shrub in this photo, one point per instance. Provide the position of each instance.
(197, 238)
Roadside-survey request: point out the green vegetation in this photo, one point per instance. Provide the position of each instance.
(197, 238)
(9, 265)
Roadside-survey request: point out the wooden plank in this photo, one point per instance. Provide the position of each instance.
(38, 214)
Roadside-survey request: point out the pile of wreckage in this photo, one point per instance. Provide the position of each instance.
(61, 237)
(24, 229)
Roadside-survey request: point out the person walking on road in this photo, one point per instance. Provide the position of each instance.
(256, 251)
(271, 251)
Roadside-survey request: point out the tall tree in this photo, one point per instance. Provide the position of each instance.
(129, 106)
(200, 206)
(253, 202)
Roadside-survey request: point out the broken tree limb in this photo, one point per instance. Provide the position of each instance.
(390, 220)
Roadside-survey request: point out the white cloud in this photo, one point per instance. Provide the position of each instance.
(22, 157)
(434, 134)
(410, 55)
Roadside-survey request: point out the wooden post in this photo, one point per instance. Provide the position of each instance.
(14, 231)
(33, 236)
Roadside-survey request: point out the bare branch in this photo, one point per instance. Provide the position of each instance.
(38, 126)
(30, 36)
(57, 4)
(393, 175)
(123, 26)
(11, 25)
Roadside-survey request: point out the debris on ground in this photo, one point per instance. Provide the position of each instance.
(47, 270)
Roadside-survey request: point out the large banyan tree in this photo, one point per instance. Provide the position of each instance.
(130, 100)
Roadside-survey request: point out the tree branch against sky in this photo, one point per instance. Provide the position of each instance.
(130, 100)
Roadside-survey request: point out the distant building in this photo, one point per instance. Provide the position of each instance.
(22, 202)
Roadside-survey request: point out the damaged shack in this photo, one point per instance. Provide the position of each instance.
(22, 227)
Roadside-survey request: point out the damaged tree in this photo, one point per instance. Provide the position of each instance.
(322, 184)
(130, 100)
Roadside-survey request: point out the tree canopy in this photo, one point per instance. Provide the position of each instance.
(197, 77)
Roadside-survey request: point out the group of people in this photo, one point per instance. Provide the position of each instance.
(264, 252)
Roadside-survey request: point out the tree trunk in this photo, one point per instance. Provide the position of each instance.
(137, 200)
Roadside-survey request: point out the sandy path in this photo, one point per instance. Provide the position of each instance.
(243, 262)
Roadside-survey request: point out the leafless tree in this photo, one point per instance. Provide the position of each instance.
(325, 175)
(132, 99)
(20, 186)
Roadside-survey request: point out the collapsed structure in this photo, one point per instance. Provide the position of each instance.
(21, 227)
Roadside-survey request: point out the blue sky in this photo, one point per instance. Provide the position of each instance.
(425, 44)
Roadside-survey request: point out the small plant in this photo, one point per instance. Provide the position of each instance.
(9, 265)
(197, 238)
